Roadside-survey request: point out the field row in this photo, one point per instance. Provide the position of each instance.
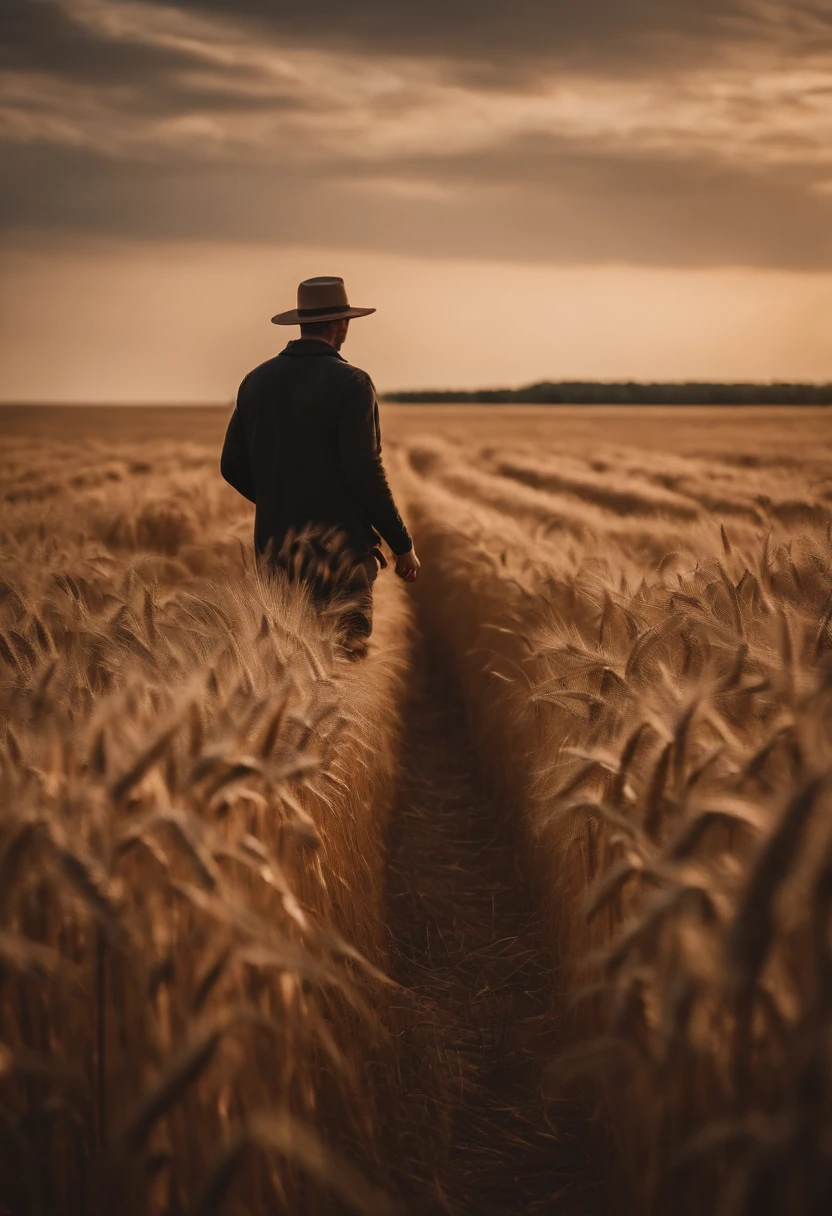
(647, 657)
(195, 787)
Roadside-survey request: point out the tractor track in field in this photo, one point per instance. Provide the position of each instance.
(476, 984)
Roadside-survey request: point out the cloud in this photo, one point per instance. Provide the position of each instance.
(542, 200)
(47, 36)
(593, 35)
(655, 132)
(478, 41)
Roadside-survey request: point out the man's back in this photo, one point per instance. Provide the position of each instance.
(304, 445)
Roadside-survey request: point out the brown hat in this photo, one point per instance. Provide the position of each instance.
(321, 299)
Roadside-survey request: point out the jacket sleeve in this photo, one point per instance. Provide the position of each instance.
(235, 462)
(359, 450)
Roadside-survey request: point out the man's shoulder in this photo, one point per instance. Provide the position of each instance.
(357, 376)
(346, 379)
(263, 371)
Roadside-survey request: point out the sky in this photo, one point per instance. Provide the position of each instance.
(541, 189)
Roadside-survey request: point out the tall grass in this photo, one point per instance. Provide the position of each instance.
(195, 785)
(194, 1015)
(663, 728)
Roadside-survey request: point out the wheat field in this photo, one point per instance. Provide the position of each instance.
(529, 911)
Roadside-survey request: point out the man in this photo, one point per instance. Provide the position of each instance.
(304, 445)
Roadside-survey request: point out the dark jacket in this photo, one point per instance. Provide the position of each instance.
(304, 445)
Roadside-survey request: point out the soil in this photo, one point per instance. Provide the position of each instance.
(476, 1012)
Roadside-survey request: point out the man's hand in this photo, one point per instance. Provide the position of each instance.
(407, 566)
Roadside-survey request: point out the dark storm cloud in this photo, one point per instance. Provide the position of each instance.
(43, 36)
(476, 39)
(597, 207)
(597, 35)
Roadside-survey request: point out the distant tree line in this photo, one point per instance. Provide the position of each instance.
(590, 392)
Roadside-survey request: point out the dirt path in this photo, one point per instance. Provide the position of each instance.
(469, 955)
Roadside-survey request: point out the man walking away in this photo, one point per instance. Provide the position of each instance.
(304, 445)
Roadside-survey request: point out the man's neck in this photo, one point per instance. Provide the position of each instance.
(318, 338)
(311, 346)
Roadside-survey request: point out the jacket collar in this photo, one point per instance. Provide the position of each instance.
(310, 346)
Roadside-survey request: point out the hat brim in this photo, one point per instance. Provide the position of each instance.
(293, 317)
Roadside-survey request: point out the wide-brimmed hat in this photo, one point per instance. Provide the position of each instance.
(321, 299)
